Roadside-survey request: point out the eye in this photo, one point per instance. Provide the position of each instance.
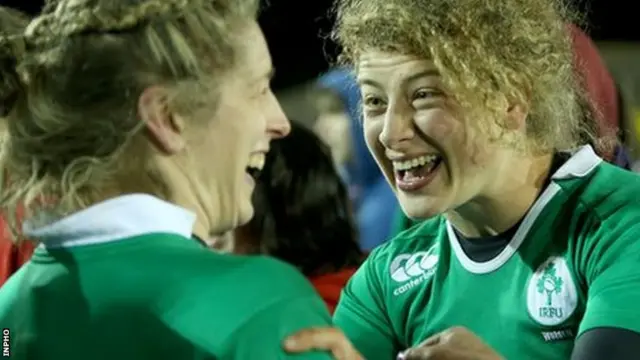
(426, 94)
(372, 102)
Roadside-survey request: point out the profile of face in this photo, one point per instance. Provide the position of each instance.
(334, 130)
(434, 158)
(223, 147)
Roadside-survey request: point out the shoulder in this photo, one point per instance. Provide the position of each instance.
(607, 197)
(250, 275)
(239, 298)
(603, 218)
(419, 238)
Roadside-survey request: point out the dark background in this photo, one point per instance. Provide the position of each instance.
(297, 29)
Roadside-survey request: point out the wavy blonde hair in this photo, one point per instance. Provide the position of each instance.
(77, 72)
(484, 49)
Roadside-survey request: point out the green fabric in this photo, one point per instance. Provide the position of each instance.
(156, 296)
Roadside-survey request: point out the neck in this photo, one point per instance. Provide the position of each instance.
(507, 200)
(202, 226)
(186, 192)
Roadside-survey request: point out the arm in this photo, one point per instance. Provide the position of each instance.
(361, 315)
(611, 323)
(607, 343)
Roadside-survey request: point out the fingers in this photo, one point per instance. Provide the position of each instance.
(327, 339)
(456, 343)
(433, 340)
(423, 353)
(316, 338)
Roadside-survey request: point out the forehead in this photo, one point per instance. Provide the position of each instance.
(254, 60)
(389, 67)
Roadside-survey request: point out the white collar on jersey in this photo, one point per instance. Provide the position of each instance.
(115, 219)
(582, 163)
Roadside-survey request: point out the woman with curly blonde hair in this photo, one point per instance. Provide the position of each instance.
(135, 128)
(529, 245)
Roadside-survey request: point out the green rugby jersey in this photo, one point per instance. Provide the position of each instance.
(572, 266)
(123, 280)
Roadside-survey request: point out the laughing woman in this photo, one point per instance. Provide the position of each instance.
(116, 112)
(530, 246)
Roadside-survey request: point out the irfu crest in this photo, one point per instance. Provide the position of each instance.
(549, 283)
(551, 294)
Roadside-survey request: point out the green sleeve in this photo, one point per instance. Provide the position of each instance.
(362, 316)
(261, 337)
(611, 266)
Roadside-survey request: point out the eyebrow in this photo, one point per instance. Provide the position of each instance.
(414, 77)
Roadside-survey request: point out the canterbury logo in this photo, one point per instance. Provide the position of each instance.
(404, 267)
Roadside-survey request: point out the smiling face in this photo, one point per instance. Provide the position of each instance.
(211, 152)
(248, 118)
(229, 148)
(434, 158)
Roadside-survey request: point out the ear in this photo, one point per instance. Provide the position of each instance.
(165, 128)
(516, 117)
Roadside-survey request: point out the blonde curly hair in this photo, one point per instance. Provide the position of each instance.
(72, 87)
(484, 49)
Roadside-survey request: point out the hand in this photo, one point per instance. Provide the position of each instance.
(456, 343)
(327, 339)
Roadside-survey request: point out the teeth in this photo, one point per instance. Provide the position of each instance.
(256, 161)
(419, 161)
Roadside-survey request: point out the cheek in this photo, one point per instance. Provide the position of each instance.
(474, 149)
(439, 125)
(464, 145)
(230, 138)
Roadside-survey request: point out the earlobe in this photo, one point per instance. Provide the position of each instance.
(164, 128)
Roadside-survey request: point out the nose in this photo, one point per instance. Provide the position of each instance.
(278, 125)
(398, 126)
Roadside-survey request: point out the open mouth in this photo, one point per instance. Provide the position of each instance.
(416, 171)
(255, 165)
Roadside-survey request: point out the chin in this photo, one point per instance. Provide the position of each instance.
(418, 210)
(245, 215)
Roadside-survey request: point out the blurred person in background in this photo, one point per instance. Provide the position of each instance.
(133, 128)
(303, 215)
(12, 256)
(339, 124)
(333, 125)
(604, 99)
(529, 245)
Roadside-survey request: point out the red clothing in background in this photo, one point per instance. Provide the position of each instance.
(12, 256)
(329, 286)
(599, 85)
